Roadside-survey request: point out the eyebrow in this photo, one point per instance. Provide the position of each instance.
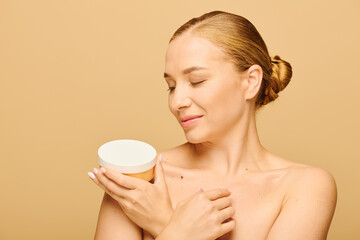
(186, 71)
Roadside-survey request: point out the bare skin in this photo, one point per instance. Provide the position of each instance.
(281, 202)
(273, 198)
(258, 196)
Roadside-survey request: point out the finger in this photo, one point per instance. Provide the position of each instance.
(122, 179)
(110, 186)
(226, 227)
(217, 193)
(159, 172)
(222, 203)
(226, 213)
(93, 176)
(198, 191)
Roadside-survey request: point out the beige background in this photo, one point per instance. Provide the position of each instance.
(75, 74)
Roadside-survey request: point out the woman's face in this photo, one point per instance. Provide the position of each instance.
(203, 85)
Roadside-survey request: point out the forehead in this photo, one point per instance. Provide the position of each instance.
(190, 50)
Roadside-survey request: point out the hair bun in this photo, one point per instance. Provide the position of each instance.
(280, 78)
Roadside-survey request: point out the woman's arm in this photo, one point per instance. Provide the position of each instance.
(149, 207)
(203, 216)
(113, 224)
(145, 204)
(308, 208)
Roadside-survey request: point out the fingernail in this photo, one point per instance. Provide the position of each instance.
(160, 157)
(103, 170)
(229, 190)
(96, 171)
(199, 189)
(91, 175)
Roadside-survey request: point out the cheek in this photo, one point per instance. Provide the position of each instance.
(224, 103)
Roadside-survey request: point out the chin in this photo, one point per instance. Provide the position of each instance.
(195, 137)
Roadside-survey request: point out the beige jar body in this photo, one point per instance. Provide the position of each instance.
(130, 157)
(147, 175)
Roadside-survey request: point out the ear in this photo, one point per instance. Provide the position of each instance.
(254, 79)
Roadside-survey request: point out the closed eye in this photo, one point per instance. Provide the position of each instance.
(171, 89)
(196, 83)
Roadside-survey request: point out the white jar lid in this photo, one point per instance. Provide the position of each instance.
(127, 156)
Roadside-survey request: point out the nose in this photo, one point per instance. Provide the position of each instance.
(180, 98)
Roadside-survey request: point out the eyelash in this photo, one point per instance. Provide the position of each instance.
(170, 89)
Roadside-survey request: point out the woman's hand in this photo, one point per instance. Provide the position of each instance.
(148, 205)
(203, 216)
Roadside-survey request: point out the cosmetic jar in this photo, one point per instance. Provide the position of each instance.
(130, 157)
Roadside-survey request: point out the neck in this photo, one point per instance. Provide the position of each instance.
(237, 151)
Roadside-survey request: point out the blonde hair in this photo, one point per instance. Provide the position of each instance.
(240, 40)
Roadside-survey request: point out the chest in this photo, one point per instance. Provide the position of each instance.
(256, 199)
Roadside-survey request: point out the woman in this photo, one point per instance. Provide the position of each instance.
(222, 183)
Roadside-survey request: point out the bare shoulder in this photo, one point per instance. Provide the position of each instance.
(305, 177)
(310, 198)
(305, 181)
(311, 187)
(299, 174)
(176, 156)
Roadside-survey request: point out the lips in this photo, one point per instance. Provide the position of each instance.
(189, 117)
(189, 120)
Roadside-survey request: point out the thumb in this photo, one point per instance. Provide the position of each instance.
(159, 173)
(198, 190)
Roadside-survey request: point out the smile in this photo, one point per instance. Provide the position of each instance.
(190, 122)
